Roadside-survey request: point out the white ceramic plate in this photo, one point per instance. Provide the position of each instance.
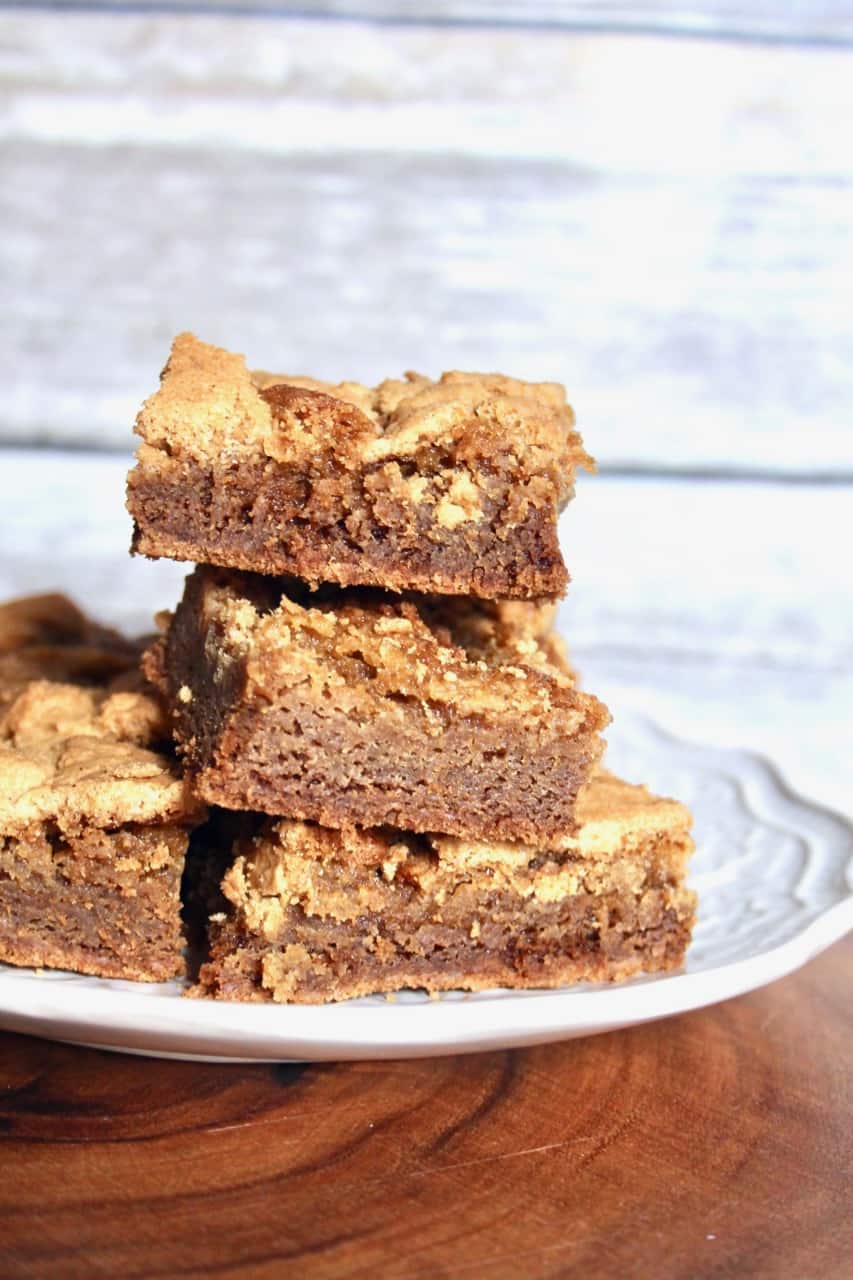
(774, 874)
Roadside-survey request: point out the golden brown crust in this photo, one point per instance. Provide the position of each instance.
(94, 812)
(620, 824)
(315, 914)
(75, 753)
(209, 403)
(473, 657)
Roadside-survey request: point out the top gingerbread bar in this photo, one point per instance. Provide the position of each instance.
(451, 487)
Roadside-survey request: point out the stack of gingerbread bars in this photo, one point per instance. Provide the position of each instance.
(402, 779)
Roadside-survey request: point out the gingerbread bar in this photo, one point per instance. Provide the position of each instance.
(94, 815)
(353, 707)
(451, 487)
(310, 915)
(48, 638)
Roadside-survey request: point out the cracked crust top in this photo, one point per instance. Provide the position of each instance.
(74, 756)
(472, 657)
(622, 828)
(211, 409)
(82, 752)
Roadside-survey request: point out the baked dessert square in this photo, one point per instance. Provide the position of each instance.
(359, 708)
(450, 486)
(94, 813)
(46, 637)
(309, 915)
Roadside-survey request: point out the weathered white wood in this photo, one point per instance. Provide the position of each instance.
(798, 719)
(760, 19)
(661, 224)
(759, 573)
(722, 610)
(604, 101)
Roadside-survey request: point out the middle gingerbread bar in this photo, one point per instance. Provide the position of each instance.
(353, 707)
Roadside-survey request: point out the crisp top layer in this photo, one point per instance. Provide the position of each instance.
(468, 656)
(71, 753)
(80, 755)
(211, 409)
(624, 829)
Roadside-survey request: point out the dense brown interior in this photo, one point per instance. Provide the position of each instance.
(271, 519)
(98, 902)
(316, 763)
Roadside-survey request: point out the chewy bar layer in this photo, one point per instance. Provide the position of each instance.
(313, 915)
(356, 708)
(451, 487)
(93, 826)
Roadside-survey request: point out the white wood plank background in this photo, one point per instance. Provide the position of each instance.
(661, 223)
(796, 20)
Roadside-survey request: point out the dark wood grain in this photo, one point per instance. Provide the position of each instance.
(712, 1145)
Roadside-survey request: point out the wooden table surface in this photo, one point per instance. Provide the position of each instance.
(713, 1144)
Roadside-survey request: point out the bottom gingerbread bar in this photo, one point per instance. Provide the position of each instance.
(311, 914)
(94, 813)
(93, 901)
